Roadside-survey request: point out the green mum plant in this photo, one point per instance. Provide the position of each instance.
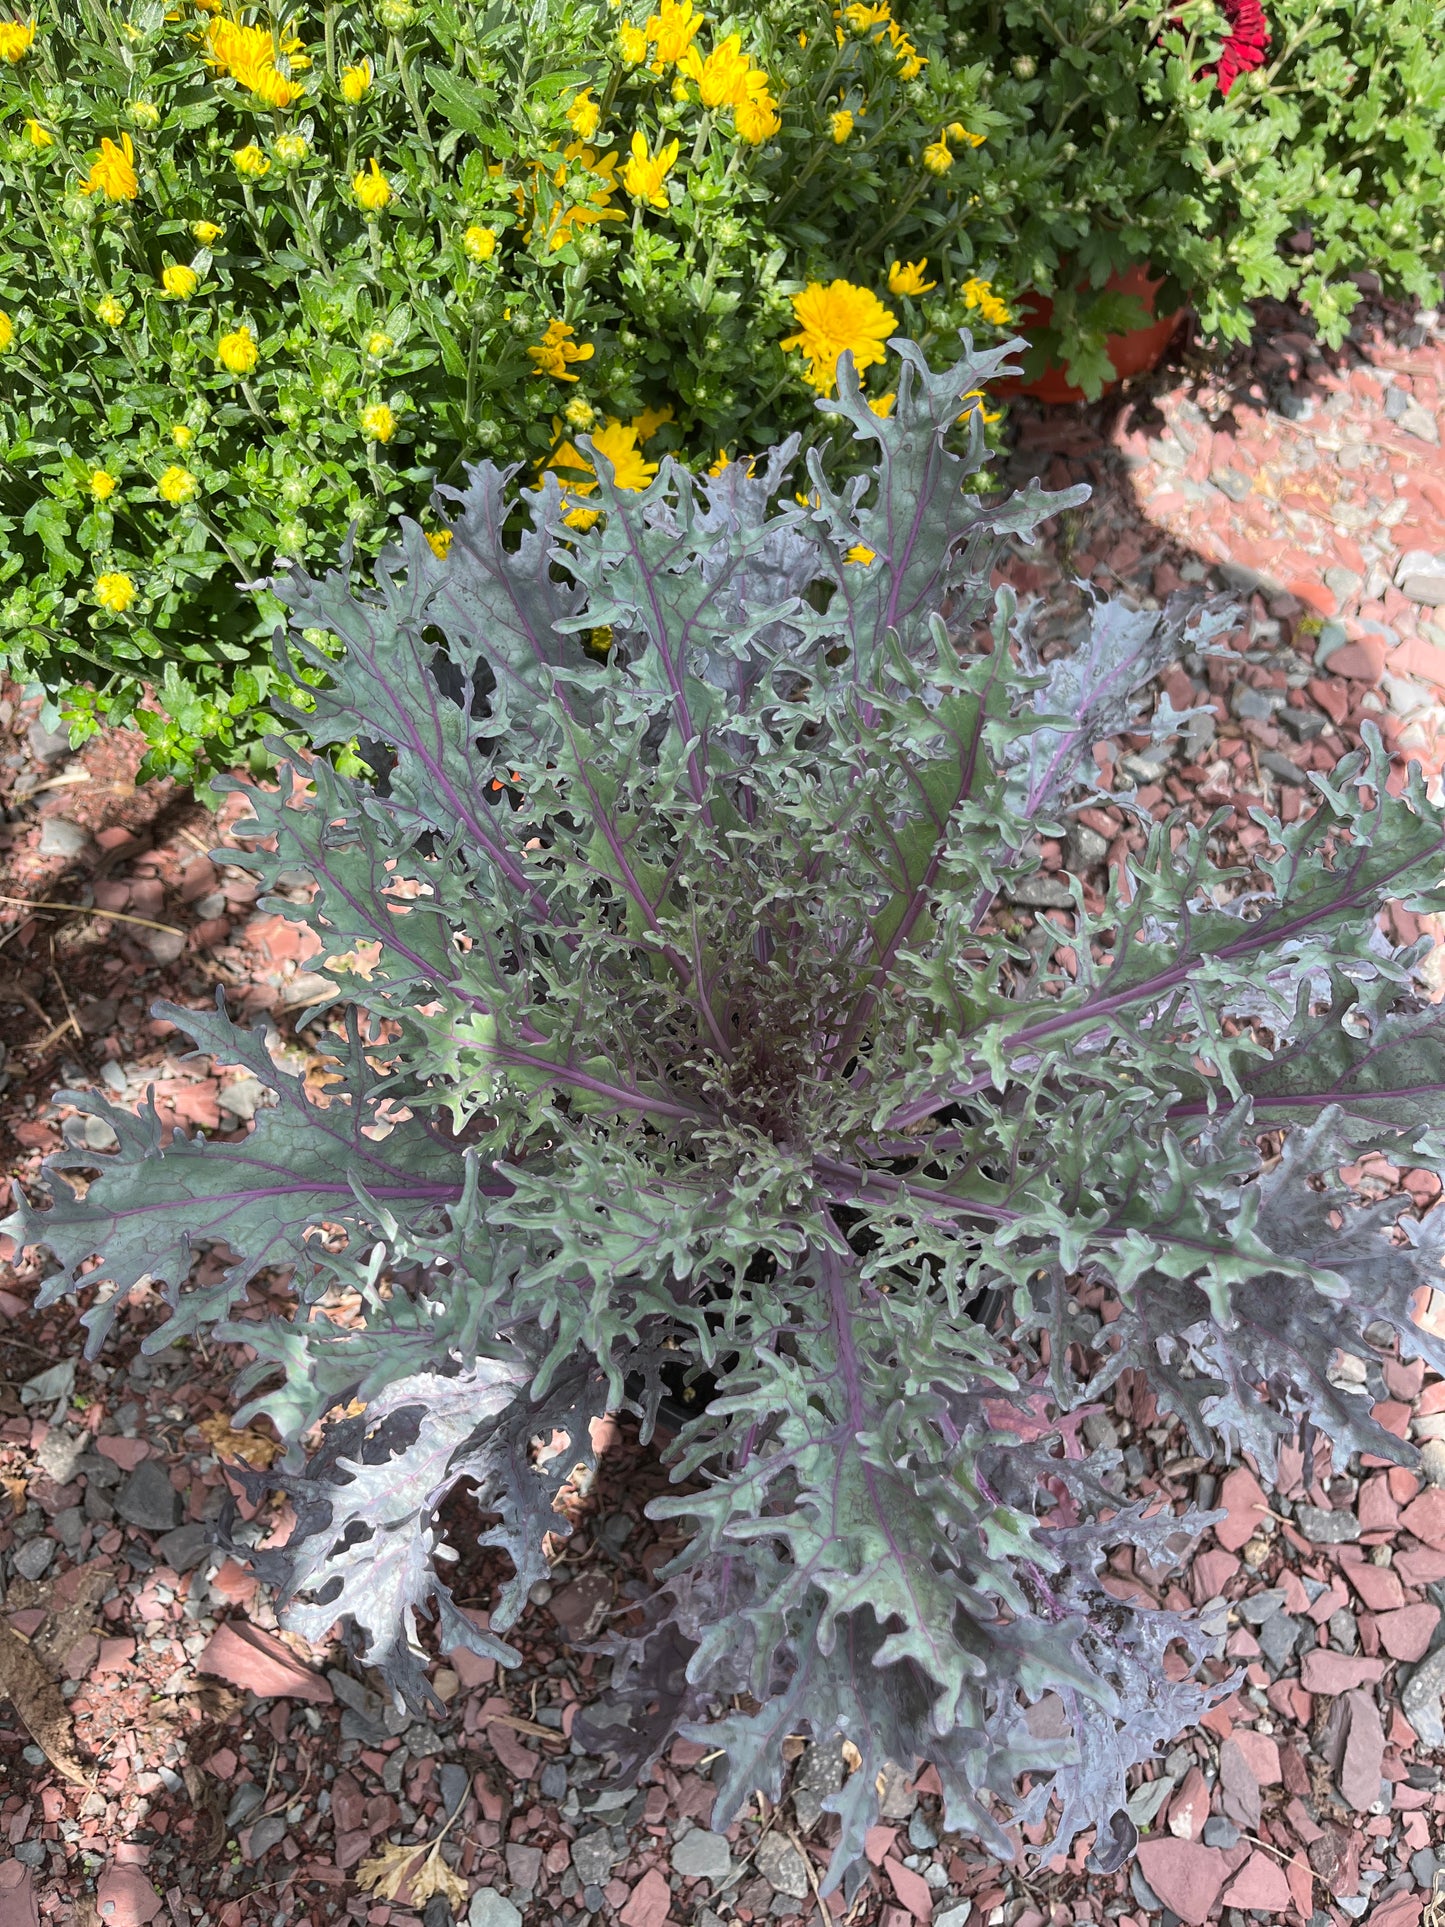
(1237, 148)
(693, 1027)
(265, 284)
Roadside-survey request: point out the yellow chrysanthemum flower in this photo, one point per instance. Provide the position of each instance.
(632, 42)
(479, 243)
(757, 119)
(956, 131)
(722, 79)
(440, 542)
(372, 190)
(841, 125)
(584, 116)
(113, 173)
(979, 294)
(290, 149)
(179, 281)
(144, 113)
(378, 424)
(17, 37)
(552, 354)
(207, 232)
(882, 406)
(37, 135)
(835, 320)
(645, 174)
(976, 396)
(248, 55)
(176, 485)
(237, 352)
(938, 157)
(618, 442)
(182, 435)
(860, 552)
(356, 82)
(114, 591)
(906, 277)
(379, 344)
(580, 414)
(110, 310)
(671, 31)
(251, 163)
(650, 420)
(7, 331)
(103, 484)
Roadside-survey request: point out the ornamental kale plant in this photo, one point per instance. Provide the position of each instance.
(692, 1026)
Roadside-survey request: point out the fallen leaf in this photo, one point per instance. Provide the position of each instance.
(227, 1442)
(387, 1872)
(32, 1690)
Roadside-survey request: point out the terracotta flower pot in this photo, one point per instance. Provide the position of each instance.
(1134, 353)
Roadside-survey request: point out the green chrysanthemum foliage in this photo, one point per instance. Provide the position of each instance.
(691, 1028)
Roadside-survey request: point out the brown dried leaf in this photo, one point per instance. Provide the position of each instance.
(31, 1689)
(254, 1446)
(389, 1871)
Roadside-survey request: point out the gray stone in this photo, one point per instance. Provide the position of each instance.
(69, 1524)
(820, 1772)
(954, 1916)
(1232, 482)
(1143, 768)
(1256, 705)
(1344, 1630)
(491, 1909)
(148, 1499)
(184, 1548)
(31, 1853)
(1199, 733)
(1421, 1699)
(52, 1386)
(46, 744)
(1432, 1460)
(524, 1864)
(896, 1798)
(244, 1098)
(594, 1857)
(1100, 1433)
(781, 1865)
(60, 837)
(269, 1831)
(700, 1854)
(553, 1782)
(1277, 1639)
(1303, 724)
(1344, 582)
(1041, 892)
(1422, 1868)
(1261, 1606)
(60, 1453)
(453, 1784)
(1087, 849)
(1333, 635)
(1420, 576)
(921, 1836)
(1283, 769)
(248, 1798)
(1327, 1528)
(34, 1557)
(1219, 1832)
(1144, 1894)
(1419, 422)
(164, 945)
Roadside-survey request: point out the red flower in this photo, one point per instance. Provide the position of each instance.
(1248, 38)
